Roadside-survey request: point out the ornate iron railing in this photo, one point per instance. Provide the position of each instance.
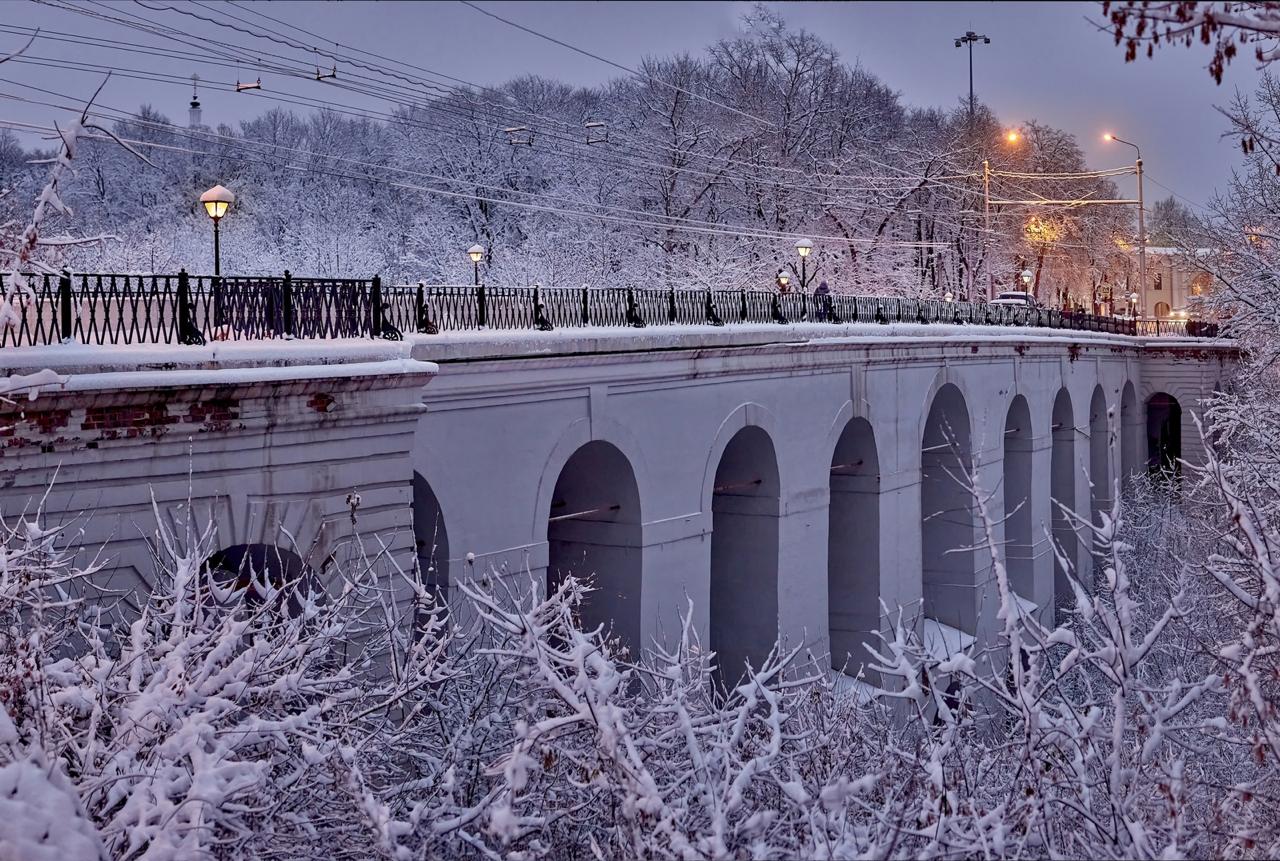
(191, 309)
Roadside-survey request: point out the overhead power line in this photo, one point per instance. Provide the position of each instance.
(617, 65)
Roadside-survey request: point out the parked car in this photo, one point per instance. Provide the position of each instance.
(1020, 298)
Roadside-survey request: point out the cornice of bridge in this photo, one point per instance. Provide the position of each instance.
(489, 345)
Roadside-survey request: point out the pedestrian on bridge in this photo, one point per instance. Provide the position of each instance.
(822, 299)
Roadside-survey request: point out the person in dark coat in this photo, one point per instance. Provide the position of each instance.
(822, 299)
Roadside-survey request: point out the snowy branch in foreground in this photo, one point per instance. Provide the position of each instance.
(264, 718)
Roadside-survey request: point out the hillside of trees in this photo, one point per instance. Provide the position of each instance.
(700, 172)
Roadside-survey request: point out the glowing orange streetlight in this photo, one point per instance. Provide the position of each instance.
(1142, 219)
(1012, 137)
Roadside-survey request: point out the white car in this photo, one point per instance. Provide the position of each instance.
(1020, 298)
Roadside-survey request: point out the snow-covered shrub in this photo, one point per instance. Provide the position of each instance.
(210, 724)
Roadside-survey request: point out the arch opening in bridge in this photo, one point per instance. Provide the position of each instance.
(1062, 490)
(1164, 435)
(745, 509)
(1099, 456)
(947, 520)
(853, 548)
(432, 541)
(594, 534)
(1019, 538)
(1130, 430)
(262, 573)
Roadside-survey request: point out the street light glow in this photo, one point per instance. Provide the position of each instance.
(803, 247)
(476, 253)
(1012, 137)
(217, 201)
(1108, 137)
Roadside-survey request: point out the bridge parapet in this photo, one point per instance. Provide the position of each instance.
(193, 309)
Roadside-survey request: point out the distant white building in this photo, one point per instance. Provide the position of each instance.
(1173, 281)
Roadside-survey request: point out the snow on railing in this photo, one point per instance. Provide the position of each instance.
(194, 309)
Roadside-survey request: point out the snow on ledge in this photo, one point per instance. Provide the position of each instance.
(148, 379)
(70, 358)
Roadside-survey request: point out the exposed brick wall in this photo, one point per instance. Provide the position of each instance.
(130, 421)
(214, 414)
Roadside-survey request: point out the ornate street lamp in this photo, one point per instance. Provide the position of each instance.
(783, 280)
(1133, 304)
(476, 253)
(948, 296)
(216, 202)
(804, 247)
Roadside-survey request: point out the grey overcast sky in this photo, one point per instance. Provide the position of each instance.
(1045, 61)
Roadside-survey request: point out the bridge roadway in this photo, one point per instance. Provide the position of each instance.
(779, 479)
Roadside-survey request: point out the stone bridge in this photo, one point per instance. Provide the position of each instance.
(796, 480)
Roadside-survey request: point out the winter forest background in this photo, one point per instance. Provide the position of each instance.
(700, 167)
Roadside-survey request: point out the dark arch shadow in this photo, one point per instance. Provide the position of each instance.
(947, 513)
(264, 571)
(745, 509)
(432, 541)
(1019, 534)
(853, 548)
(1062, 490)
(594, 533)
(1164, 435)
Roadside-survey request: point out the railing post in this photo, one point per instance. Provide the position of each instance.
(742, 294)
(188, 331)
(378, 325)
(671, 304)
(586, 306)
(482, 307)
(219, 304)
(286, 301)
(64, 306)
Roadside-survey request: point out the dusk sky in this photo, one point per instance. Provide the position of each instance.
(1045, 62)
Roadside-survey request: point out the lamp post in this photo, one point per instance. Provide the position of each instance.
(1142, 216)
(476, 253)
(803, 248)
(970, 38)
(783, 281)
(1027, 276)
(1133, 305)
(216, 202)
(1012, 137)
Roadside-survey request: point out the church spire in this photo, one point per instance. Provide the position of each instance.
(194, 115)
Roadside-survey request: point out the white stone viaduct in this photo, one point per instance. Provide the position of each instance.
(783, 485)
(781, 480)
